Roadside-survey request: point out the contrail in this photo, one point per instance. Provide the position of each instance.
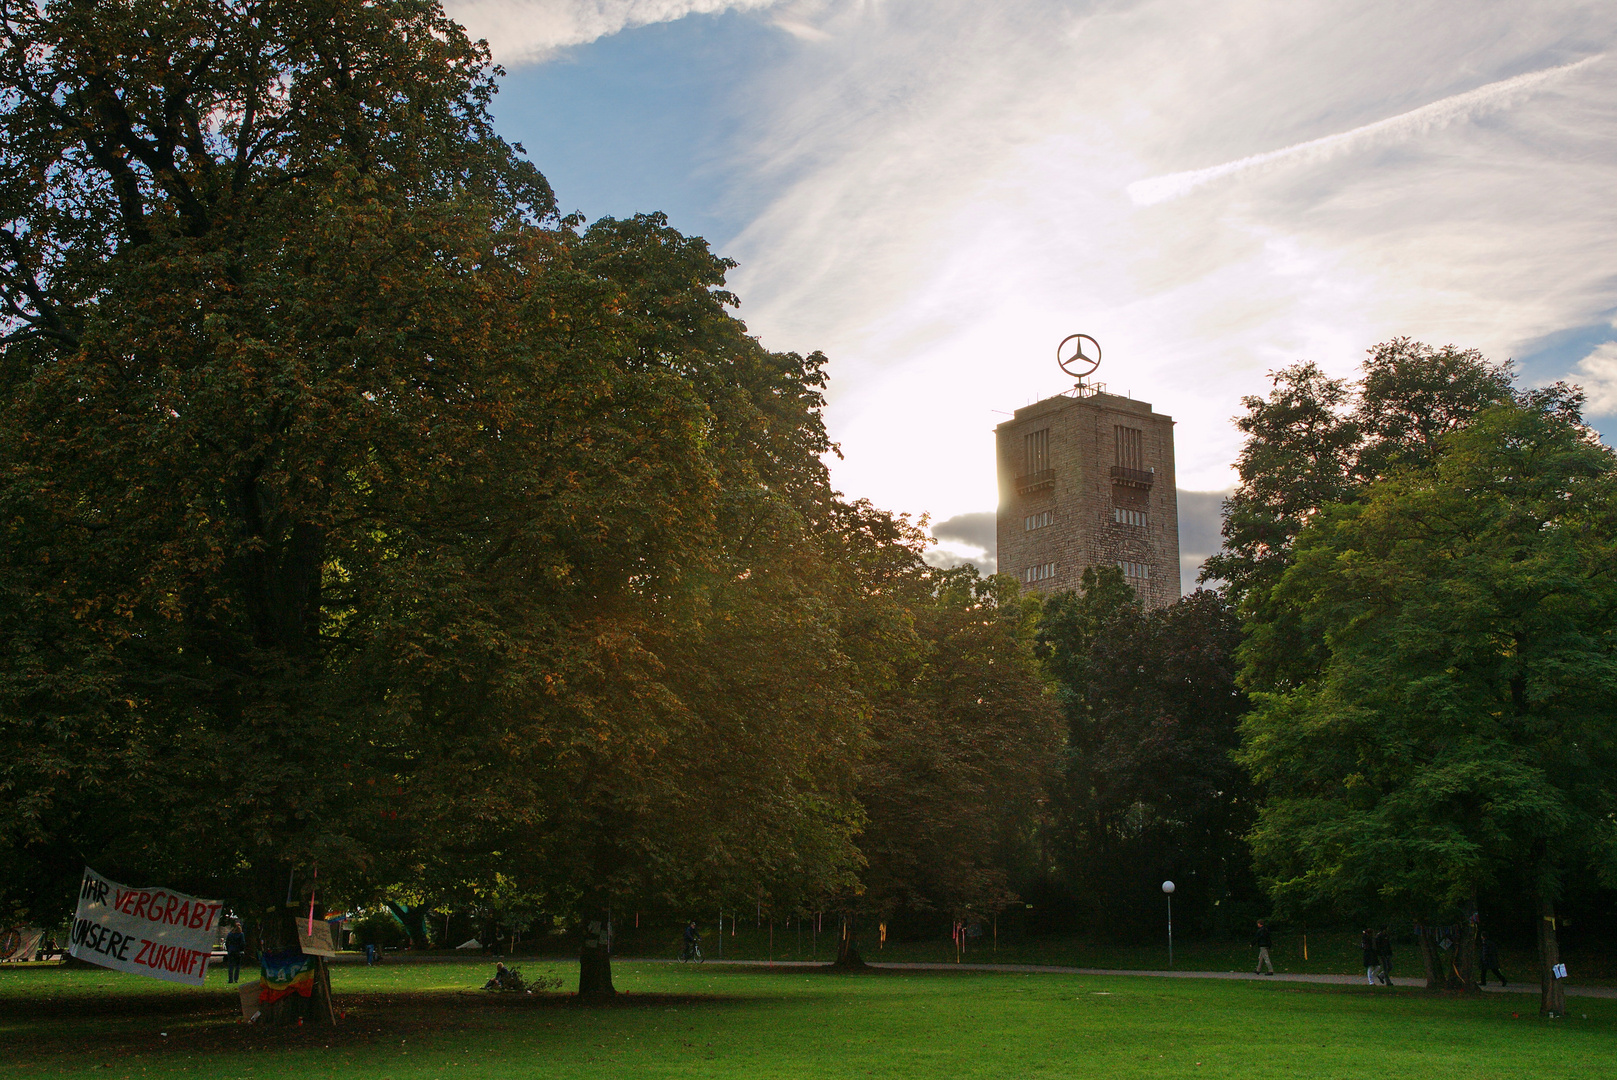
(1494, 95)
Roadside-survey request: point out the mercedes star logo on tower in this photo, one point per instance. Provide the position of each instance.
(1077, 360)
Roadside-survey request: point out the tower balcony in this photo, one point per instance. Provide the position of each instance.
(1044, 478)
(1140, 478)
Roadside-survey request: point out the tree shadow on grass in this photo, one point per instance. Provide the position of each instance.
(109, 1028)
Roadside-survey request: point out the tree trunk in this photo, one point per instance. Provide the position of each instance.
(595, 960)
(1551, 995)
(1431, 957)
(847, 955)
(277, 931)
(414, 921)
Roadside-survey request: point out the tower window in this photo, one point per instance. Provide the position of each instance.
(1124, 516)
(1135, 571)
(1042, 572)
(1036, 445)
(1129, 444)
(1041, 520)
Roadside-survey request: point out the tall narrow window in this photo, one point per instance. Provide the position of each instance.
(1037, 446)
(1130, 447)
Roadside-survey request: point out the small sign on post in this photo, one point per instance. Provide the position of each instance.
(319, 942)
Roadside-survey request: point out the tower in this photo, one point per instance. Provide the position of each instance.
(1086, 478)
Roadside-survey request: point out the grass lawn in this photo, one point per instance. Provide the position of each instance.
(417, 1020)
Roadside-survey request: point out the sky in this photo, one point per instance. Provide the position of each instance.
(936, 192)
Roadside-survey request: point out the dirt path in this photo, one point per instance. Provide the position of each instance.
(1339, 980)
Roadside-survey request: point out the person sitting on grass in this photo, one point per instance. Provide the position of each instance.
(504, 979)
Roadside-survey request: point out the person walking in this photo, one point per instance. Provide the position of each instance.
(1264, 941)
(1384, 955)
(1490, 960)
(370, 953)
(1367, 954)
(235, 945)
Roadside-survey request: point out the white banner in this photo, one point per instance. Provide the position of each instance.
(20, 942)
(153, 932)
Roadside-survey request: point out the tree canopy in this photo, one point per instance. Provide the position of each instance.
(357, 510)
(1148, 791)
(1452, 730)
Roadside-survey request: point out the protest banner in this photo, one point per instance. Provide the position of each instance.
(153, 932)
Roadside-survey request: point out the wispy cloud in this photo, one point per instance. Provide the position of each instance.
(521, 30)
(1495, 95)
(935, 193)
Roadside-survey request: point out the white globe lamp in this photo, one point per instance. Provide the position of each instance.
(1167, 887)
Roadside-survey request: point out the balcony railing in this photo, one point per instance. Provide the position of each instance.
(1044, 478)
(1133, 477)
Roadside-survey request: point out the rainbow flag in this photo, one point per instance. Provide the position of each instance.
(286, 972)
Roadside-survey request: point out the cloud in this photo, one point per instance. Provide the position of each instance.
(1495, 95)
(935, 192)
(1597, 374)
(942, 197)
(1201, 519)
(526, 30)
(967, 538)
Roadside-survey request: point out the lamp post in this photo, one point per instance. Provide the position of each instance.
(1167, 887)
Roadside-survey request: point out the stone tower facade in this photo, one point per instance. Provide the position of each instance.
(1086, 479)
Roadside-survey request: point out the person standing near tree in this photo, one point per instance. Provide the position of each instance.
(1263, 940)
(1384, 955)
(1490, 960)
(235, 945)
(1367, 954)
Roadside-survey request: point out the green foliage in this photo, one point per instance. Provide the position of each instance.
(1460, 725)
(964, 742)
(380, 928)
(1315, 442)
(356, 510)
(1149, 790)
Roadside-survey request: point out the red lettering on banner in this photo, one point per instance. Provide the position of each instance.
(145, 947)
(183, 914)
(139, 910)
(168, 912)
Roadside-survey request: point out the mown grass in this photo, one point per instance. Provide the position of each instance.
(424, 1020)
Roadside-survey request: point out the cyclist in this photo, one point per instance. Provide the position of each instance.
(693, 951)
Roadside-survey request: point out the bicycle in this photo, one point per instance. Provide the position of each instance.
(692, 954)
